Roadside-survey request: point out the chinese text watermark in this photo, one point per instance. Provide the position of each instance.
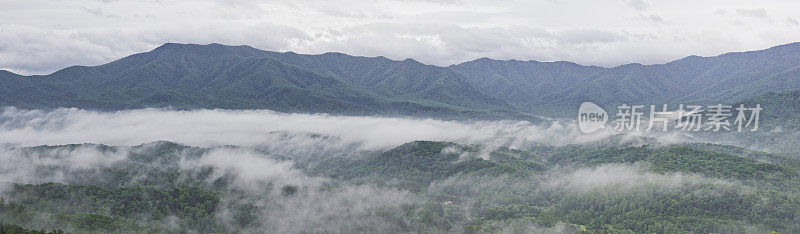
(690, 118)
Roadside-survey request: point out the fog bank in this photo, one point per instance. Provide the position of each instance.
(206, 128)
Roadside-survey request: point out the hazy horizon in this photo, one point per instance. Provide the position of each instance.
(90, 32)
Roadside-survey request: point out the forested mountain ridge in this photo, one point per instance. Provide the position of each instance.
(240, 77)
(726, 78)
(187, 76)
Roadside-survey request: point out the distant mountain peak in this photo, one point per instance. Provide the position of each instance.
(170, 45)
(212, 49)
(6, 72)
(790, 45)
(174, 45)
(630, 65)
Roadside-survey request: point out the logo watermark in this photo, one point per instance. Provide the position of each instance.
(591, 117)
(689, 118)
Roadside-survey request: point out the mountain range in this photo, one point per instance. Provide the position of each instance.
(190, 76)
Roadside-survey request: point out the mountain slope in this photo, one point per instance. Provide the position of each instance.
(524, 82)
(406, 80)
(187, 76)
(781, 109)
(241, 77)
(559, 86)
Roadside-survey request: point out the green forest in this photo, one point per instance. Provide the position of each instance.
(447, 187)
(446, 116)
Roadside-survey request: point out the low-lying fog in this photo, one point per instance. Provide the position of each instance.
(253, 127)
(267, 136)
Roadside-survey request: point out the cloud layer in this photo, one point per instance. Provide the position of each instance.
(259, 127)
(282, 147)
(41, 36)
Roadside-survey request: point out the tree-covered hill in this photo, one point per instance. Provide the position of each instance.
(427, 186)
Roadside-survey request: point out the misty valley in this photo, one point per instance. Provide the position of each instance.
(212, 138)
(264, 171)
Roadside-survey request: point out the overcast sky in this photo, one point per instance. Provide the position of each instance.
(39, 37)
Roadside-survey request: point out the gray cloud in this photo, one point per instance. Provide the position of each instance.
(792, 21)
(758, 13)
(637, 4)
(584, 36)
(42, 36)
(656, 18)
(99, 12)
